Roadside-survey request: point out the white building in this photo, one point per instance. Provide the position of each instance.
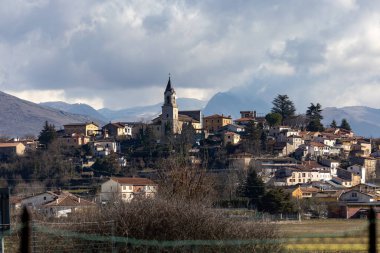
(56, 204)
(289, 176)
(332, 164)
(127, 188)
(105, 148)
(358, 170)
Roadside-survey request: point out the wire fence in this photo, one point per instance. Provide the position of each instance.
(101, 237)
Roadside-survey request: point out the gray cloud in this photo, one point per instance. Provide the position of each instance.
(302, 48)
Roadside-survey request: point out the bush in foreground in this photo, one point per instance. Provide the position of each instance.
(163, 220)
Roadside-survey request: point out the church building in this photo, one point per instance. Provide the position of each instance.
(171, 119)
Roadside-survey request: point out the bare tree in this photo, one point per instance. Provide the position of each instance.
(179, 179)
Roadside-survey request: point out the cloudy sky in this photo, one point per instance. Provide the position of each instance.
(118, 53)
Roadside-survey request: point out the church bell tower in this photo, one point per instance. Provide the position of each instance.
(169, 116)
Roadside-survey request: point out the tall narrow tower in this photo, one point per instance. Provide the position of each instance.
(169, 116)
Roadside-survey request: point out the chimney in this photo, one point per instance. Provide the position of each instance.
(78, 200)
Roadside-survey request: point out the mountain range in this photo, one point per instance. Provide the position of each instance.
(138, 113)
(20, 117)
(364, 121)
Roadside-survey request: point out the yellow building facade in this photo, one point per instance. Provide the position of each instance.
(215, 122)
(87, 129)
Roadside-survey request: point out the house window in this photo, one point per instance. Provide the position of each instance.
(354, 194)
(124, 188)
(130, 187)
(303, 174)
(45, 198)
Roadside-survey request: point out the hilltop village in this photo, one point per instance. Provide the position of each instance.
(277, 162)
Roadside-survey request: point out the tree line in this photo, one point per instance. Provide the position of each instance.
(283, 111)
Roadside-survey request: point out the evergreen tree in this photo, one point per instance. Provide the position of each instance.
(314, 112)
(283, 106)
(252, 138)
(273, 119)
(253, 189)
(47, 134)
(333, 124)
(314, 115)
(314, 126)
(263, 140)
(276, 200)
(345, 125)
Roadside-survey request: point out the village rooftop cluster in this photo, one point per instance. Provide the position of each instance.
(330, 166)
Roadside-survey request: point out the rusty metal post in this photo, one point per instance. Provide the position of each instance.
(372, 231)
(25, 242)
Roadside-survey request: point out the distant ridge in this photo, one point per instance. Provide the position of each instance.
(20, 117)
(365, 121)
(146, 113)
(77, 108)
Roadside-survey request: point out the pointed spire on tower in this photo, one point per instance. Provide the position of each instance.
(169, 85)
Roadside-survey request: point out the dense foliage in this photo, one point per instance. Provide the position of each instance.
(283, 106)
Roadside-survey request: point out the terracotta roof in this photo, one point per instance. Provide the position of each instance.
(244, 119)
(133, 180)
(309, 189)
(316, 144)
(217, 116)
(70, 200)
(312, 165)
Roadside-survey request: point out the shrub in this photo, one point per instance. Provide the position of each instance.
(163, 220)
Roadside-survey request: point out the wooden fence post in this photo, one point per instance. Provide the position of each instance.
(25, 231)
(372, 231)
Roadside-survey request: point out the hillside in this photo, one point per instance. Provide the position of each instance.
(20, 117)
(77, 108)
(365, 121)
(229, 103)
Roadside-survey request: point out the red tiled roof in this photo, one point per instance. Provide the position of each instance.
(244, 119)
(133, 180)
(70, 200)
(309, 189)
(317, 144)
(217, 116)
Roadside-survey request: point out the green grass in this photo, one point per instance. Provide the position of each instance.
(330, 235)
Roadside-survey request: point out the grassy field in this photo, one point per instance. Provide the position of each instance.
(328, 235)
